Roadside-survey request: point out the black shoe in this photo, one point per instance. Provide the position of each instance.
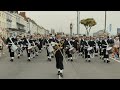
(104, 61)
(11, 60)
(108, 61)
(86, 60)
(29, 60)
(36, 55)
(68, 59)
(49, 59)
(52, 56)
(100, 57)
(61, 75)
(89, 61)
(18, 57)
(58, 73)
(71, 60)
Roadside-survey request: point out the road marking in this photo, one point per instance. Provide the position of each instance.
(114, 59)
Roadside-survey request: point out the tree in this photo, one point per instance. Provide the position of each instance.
(88, 23)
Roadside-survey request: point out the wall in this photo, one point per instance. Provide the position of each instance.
(3, 24)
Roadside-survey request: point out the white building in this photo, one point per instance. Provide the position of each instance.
(33, 27)
(3, 31)
(41, 30)
(15, 23)
(10, 22)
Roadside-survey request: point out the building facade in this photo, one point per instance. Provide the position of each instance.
(3, 24)
(19, 23)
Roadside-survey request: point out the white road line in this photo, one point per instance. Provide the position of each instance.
(114, 59)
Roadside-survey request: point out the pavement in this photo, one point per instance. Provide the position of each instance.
(40, 68)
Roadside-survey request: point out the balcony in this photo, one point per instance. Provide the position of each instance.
(9, 20)
(21, 30)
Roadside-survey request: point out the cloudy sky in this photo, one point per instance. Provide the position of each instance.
(60, 20)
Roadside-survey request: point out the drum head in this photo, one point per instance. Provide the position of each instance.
(90, 48)
(71, 48)
(53, 43)
(109, 48)
(30, 47)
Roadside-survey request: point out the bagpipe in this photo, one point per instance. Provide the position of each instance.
(58, 46)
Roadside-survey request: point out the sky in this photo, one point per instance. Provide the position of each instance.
(60, 20)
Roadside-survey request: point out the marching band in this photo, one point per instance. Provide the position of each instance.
(58, 46)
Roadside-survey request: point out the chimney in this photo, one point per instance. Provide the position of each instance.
(23, 14)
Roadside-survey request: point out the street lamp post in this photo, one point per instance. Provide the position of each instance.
(78, 25)
(71, 27)
(105, 21)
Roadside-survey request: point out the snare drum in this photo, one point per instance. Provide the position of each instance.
(50, 49)
(90, 48)
(109, 50)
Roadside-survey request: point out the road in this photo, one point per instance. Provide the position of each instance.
(40, 68)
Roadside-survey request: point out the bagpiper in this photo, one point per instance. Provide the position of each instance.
(59, 54)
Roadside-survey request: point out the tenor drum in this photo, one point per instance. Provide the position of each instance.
(90, 48)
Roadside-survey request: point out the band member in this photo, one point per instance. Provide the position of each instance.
(105, 52)
(69, 45)
(48, 47)
(75, 43)
(87, 52)
(27, 46)
(81, 49)
(10, 41)
(35, 45)
(40, 44)
(95, 46)
(59, 55)
(100, 47)
(20, 46)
